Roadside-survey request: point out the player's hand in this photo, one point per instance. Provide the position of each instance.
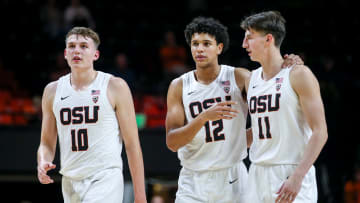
(292, 59)
(220, 110)
(289, 190)
(42, 170)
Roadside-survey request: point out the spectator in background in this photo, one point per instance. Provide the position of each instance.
(16, 106)
(328, 79)
(352, 187)
(157, 199)
(7, 79)
(60, 68)
(51, 17)
(173, 56)
(77, 14)
(121, 69)
(197, 6)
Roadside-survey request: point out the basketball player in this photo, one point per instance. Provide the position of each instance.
(287, 116)
(92, 113)
(206, 120)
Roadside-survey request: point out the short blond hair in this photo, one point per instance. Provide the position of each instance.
(85, 32)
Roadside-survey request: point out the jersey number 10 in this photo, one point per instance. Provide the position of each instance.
(79, 140)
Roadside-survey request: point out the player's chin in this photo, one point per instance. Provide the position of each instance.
(202, 63)
(252, 58)
(79, 65)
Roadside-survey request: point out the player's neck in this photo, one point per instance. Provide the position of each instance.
(271, 65)
(82, 79)
(206, 75)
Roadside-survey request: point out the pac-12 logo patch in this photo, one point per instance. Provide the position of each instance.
(226, 85)
(278, 83)
(278, 86)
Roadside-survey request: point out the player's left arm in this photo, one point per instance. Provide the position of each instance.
(307, 88)
(121, 99)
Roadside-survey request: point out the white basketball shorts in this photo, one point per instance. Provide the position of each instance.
(218, 186)
(265, 181)
(105, 186)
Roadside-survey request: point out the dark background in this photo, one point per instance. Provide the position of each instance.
(323, 33)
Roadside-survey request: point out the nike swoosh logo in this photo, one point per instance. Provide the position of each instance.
(62, 98)
(191, 92)
(254, 86)
(231, 182)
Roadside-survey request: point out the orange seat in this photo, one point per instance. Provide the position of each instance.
(6, 119)
(29, 107)
(155, 111)
(16, 105)
(5, 95)
(20, 120)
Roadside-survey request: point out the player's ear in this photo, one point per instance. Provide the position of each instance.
(65, 53)
(97, 55)
(220, 48)
(269, 38)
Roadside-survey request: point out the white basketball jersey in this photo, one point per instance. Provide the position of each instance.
(219, 144)
(87, 128)
(280, 131)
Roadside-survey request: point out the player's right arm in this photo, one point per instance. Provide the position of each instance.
(46, 151)
(180, 133)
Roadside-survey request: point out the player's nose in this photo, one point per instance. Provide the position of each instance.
(244, 44)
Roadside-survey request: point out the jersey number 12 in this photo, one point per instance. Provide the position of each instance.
(216, 132)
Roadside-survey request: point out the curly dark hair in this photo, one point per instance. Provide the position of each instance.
(209, 26)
